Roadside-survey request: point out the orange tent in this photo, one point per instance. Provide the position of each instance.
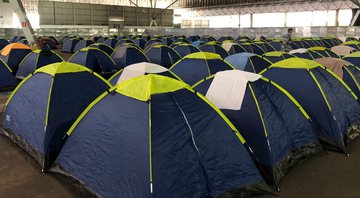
(6, 50)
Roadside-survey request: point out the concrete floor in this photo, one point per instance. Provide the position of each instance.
(328, 175)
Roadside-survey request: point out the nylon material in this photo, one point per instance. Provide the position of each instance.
(69, 45)
(116, 123)
(239, 61)
(34, 61)
(350, 80)
(103, 47)
(355, 72)
(328, 131)
(259, 63)
(281, 114)
(175, 160)
(345, 108)
(217, 49)
(143, 87)
(191, 70)
(164, 56)
(15, 57)
(83, 44)
(184, 50)
(32, 97)
(127, 55)
(6, 79)
(226, 167)
(63, 111)
(354, 60)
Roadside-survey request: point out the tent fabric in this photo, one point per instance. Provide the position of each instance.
(324, 52)
(138, 69)
(184, 160)
(342, 50)
(127, 55)
(103, 47)
(94, 59)
(214, 48)
(197, 66)
(276, 56)
(13, 54)
(273, 123)
(248, 62)
(111, 42)
(353, 58)
(69, 45)
(353, 44)
(35, 60)
(152, 42)
(83, 44)
(55, 95)
(124, 41)
(332, 107)
(140, 42)
(185, 49)
(233, 48)
(3, 43)
(162, 55)
(7, 79)
(344, 70)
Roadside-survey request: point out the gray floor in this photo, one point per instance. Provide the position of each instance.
(331, 175)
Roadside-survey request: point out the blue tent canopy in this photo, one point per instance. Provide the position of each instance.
(127, 54)
(162, 55)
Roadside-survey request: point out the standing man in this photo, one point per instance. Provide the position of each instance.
(287, 40)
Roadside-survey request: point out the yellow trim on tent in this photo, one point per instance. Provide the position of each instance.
(16, 89)
(259, 110)
(294, 63)
(48, 102)
(352, 76)
(113, 76)
(351, 43)
(203, 55)
(353, 55)
(82, 115)
(237, 133)
(143, 87)
(321, 90)
(342, 82)
(317, 48)
(62, 67)
(302, 110)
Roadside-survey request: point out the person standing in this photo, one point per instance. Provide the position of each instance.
(287, 40)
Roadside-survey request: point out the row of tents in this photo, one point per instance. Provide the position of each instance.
(202, 127)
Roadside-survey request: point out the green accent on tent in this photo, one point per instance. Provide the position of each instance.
(318, 48)
(81, 116)
(351, 43)
(259, 110)
(289, 96)
(237, 133)
(353, 55)
(203, 55)
(15, 90)
(211, 43)
(275, 53)
(295, 63)
(228, 41)
(143, 87)
(63, 67)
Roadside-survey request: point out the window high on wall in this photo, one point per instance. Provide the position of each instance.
(269, 20)
(345, 17)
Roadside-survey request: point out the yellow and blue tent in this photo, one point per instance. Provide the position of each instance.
(43, 107)
(153, 136)
(328, 100)
(272, 122)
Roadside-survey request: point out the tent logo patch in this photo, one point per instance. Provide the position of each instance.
(8, 118)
